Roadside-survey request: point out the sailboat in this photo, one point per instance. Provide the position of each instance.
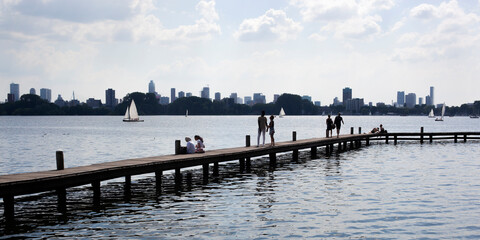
(443, 113)
(431, 115)
(131, 115)
(186, 113)
(282, 113)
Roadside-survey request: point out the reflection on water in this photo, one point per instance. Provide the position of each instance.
(380, 192)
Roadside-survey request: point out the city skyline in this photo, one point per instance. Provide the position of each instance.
(312, 48)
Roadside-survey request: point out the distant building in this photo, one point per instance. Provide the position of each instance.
(15, 90)
(181, 94)
(432, 98)
(205, 93)
(380, 104)
(259, 98)
(94, 103)
(164, 100)
(189, 94)
(234, 96)
(239, 100)
(218, 96)
(60, 102)
(110, 100)
(354, 105)
(420, 101)
(318, 103)
(10, 98)
(400, 98)
(46, 93)
(428, 101)
(275, 97)
(411, 100)
(151, 87)
(248, 100)
(305, 97)
(173, 95)
(336, 102)
(32, 91)
(347, 95)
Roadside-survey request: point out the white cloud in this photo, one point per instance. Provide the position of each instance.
(273, 25)
(317, 37)
(424, 11)
(207, 10)
(361, 28)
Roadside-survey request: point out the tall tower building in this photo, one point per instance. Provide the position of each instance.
(173, 95)
(205, 93)
(347, 95)
(218, 96)
(110, 100)
(432, 99)
(151, 87)
(411, 100)
(181, 94)
(234, 96)
(15, 90)
(400, 98)
(46, 94)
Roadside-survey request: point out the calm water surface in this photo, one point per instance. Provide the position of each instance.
(429, 191)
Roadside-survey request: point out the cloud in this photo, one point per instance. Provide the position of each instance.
(356, 28)
(273, 25)
(207, 10)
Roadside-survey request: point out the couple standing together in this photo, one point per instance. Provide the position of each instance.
(262, 127)
(337, 123)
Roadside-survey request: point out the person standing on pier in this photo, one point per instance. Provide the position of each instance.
(329, 126)
(272, 131)
(262, 127)
(338, 123)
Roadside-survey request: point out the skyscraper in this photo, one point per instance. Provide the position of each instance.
(110, 100)
(46, 93)
(218, 96)
(411, 100)
(151, 87)
(234, 96)
(347, 95)
(400, 98)
(15, 90)
(205, 93)
(172, 95)
(275, 97)
(181, 94)
(432, 99)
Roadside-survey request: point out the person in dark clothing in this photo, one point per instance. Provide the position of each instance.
(329, 126)
(338, 123)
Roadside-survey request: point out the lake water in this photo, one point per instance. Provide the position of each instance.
(429, 191)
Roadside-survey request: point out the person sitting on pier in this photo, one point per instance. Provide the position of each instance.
(330, 126)
(374, 130)
(190, 146)
(382, 130)
(199, 146)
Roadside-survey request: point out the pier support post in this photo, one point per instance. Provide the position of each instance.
(273, 159)
(339, 147)
(313, 153)
(395, 139)
(351, 130)
(59, 156)
(9, 208)
(295, 152)
(128, 187)
(189, 179)
(205, 173)
(421, 135)
(465, 138)
(178, 177)
(386, 139)
(367, 141)
(455, 138)
(345, 146)
(248, 162)
(177, 147)
(430, 138)
(96, 193)
(242, 165)
(215, 169)
(158, 180)
(359, 130)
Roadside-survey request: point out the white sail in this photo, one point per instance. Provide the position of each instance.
(282, 113)
(133, 111)
(186, 113)
(431, 115)
(443, 110)
(127, 115)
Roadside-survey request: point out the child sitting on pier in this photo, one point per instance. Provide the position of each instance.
(199, 146)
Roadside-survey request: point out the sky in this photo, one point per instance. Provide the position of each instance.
(304, 47)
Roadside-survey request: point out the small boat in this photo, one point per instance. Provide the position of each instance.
(443, 113)
(431, 115)
(474, 116)
(131, 115)
(186, 113)
(282, 113)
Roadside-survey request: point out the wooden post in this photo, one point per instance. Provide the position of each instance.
(386, 139)
(395, 139)
(158, 180)
(189, 178)
(430, 138)
(351, 130)
(177, 147)
(455, 138)
(421, 135)
(62, 200)
(128, 186)
(178, 177)
(96, 192)
(248, 163)
(205, 173)
(295, 152)
(345, 146)
(359, 130)
(465, 138)
(273, 159)
(313, 153)
(242, 164)
(215, 169)
(367, 141)
(351, 145)
(339, 147)
(59, 155)
(9, 208)
(327, 149)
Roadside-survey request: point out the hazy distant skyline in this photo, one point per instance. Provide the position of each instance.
(309, 47)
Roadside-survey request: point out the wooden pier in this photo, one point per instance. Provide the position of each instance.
(62, 178)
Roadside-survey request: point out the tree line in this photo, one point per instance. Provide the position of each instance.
(147, 104)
